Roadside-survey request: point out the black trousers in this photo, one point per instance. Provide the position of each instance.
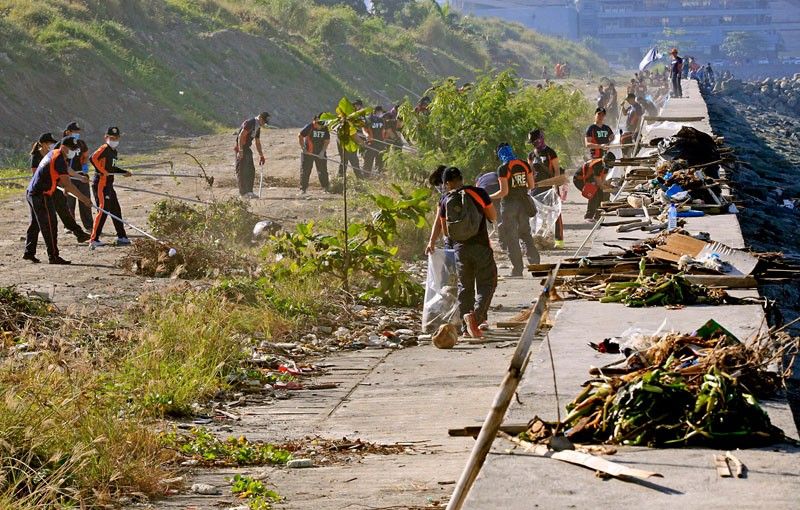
(477, 279)
(306, 162)
(516, 229)
(594, 204)
(348, 158)
(106, 198)
(373, 158)
(43, 220)
(59, 202)
(677, 91)
(84, 210)
(245, 172)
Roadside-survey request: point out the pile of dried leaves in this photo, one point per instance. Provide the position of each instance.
(679, 390)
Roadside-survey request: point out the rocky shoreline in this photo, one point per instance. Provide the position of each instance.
(767, 179)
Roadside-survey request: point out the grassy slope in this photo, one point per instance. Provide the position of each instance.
(126, 62)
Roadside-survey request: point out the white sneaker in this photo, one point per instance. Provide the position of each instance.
(123, 241)
(96, 244)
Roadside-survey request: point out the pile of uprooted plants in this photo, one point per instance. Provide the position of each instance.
(679, 389)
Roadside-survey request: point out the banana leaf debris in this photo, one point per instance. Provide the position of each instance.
(652, 290)
(673, 390)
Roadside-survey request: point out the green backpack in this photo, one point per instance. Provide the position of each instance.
(462, 215)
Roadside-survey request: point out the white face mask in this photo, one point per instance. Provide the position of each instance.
(113, 144)
(72, 154)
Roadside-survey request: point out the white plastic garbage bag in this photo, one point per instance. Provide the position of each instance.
(548, 209)
(441, 291)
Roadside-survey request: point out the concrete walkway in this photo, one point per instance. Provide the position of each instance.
(690, 480)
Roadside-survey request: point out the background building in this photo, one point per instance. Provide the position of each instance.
(626, 28)
(622, 30)
(551, 17)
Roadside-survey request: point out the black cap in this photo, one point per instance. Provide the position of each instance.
(47, 138)
(535, 135)
(609, 159)
(437, 176)
(72, 126)
(69, 142)
(378, 108)
(452, 174)
(264, 116)
(600, 110)
(112, 131)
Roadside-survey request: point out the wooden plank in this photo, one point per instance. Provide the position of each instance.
(511, 324)
(723, 470)
(473, 431)
(660, 254)
(676, 118)
(726, 281)
(685, 244)
(582, 459)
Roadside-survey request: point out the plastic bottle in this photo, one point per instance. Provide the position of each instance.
(672, 217)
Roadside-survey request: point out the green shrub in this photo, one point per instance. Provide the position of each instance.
(498, 108)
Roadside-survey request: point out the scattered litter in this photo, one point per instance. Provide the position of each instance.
(205, 489)
(300, 463)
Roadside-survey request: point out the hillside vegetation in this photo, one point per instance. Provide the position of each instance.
(181, 67)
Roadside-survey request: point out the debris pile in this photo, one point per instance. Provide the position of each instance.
(654, 290)
(324, 452)
(680, 390)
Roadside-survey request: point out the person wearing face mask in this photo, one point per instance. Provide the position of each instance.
(543, 160)
(79, 164)
(40, 149)
(59, 201)
(51, 172)
(104, 161)
(516, 180)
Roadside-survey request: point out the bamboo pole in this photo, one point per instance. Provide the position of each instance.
(502, 400)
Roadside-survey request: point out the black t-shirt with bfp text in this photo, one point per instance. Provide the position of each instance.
(314, 138)
(376, 125)
(515, 172)
(600, 135)
(483, 201)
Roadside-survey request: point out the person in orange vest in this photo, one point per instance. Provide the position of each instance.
(104, 161)
(516, 207)
(51, 172)
(590, 179)
(80, 164)
(39, 150)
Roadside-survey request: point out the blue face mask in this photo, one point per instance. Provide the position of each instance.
(76, 136)
(505, 153)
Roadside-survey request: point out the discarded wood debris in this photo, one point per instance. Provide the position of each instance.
(582, 459)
